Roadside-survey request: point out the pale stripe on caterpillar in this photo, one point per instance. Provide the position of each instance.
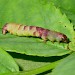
(45, 34)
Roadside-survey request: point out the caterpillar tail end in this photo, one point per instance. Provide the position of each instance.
(4, 30)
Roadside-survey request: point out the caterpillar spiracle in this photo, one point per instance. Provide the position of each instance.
(45, 34)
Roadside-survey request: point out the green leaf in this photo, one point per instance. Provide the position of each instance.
(7, 63)
(38, 13)
(35, 71)
(66, 66)
(67, 7)
(72, 45)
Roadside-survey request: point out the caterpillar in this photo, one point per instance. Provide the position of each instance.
(35, 31)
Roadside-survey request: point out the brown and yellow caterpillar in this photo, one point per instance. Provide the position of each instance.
(45, 34)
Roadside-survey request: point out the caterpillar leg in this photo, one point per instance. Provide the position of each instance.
(44, 38)
(4, 30)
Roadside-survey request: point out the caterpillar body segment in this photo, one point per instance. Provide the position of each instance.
(45, 34)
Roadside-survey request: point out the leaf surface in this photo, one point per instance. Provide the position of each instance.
(37, 13)
(66, 66)
(67, 7)
(35, 71)
(7, 63)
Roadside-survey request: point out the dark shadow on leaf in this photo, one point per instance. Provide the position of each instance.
(36, 58)
(46, 72)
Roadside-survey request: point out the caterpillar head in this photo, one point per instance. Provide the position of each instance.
(4, 30)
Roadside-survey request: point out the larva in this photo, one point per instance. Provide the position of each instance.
(45, 34)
